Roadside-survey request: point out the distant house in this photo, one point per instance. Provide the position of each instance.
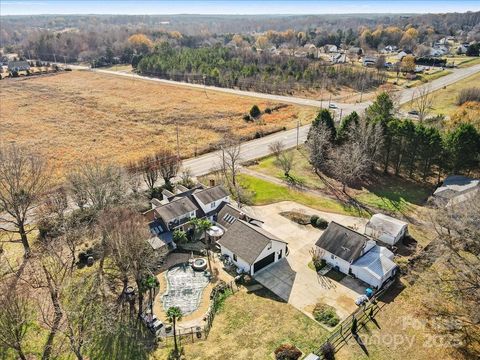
(338, 58)
(462, 49)
(250, 247)
(355, 51)
(369, 61)
(391, 48)
(18, 66)
(330, 48)
(355, 254)
(401, 55)
(438, 51)
(386, 229)
(456, 189)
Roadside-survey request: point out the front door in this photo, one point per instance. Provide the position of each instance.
(280, 254)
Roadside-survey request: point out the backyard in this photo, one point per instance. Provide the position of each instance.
(248, 328)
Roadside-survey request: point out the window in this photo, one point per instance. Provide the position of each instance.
(332, 256)
(212, 205)
(234, 257)
(269, 246)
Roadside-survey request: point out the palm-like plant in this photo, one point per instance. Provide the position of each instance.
(202, 225)
(151, 283)
(174, 314)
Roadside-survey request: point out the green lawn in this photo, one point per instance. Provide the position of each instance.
(444, 100)
(251, 326)
(301, 170)
(265, 192)
(389, 193)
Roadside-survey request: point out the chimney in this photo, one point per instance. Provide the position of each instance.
(212, 182)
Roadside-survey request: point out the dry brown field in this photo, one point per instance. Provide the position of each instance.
(80, 116)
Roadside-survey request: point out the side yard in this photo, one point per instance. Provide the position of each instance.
(390, 194)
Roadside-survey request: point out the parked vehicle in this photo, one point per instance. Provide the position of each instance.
(152, 323)
(332, 106)
(413, 112)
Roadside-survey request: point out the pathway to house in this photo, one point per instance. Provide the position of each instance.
(291, 278)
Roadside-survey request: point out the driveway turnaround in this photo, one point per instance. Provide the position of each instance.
(290, 278)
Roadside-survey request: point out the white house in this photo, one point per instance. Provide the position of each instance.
(250, 247)
(375, 267)
(355, 254)
(386, 229)
(210, 199)
(456, 189)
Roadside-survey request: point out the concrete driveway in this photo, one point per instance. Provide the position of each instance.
(291, 278)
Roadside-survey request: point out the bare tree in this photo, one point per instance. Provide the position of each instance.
(23, 180)
(168, 164)
(349, 163)
(126, 235)
(133, 178)
(319, 147)
(285, 161)
(56, 203)
(454, 294)
(276, 148)
(102, 185)
(370, 138)
(150, 171)
(422, 100)
(230, 161)
(15, 319)
(77, 188)
(187, 178)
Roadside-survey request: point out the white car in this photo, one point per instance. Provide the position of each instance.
(332, 106)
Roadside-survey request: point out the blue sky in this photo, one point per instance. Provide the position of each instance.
(28, 7)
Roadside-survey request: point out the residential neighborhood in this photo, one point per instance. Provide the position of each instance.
(247, 180)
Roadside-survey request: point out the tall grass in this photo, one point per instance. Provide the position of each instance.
(469, 94)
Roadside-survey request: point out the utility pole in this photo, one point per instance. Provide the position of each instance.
(54, 58)
(329, 100)
(341, 111)
(298, 131)
(178, 145)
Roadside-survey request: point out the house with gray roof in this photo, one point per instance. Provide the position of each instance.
(456, 189)
(251, 248)
(351, 253)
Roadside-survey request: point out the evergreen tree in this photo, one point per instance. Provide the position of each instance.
(324, 117)
(463, 147)
(348, 122)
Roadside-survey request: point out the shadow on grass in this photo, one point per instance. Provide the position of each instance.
(267, 294)
(129, 339)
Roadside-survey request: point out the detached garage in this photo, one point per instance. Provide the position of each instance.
(250, 247)
(386, 229)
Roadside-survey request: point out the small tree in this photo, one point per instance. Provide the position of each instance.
(276, 148)
(174, 314)
(285, 161)
(23, 180)
(255, 111)
(168, 164)
(16, 317)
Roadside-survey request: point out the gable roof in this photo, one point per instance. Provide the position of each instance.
(342, 242)
(377, 262)
(212, 194)
(246, 241)
(455, 185)
(175, 208)
(227, 215)
(386, 224)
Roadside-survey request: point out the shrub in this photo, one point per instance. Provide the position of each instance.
(326, 314)
(297, 217)
(328, 351)
(321, 223)
(287, 352)
(313, 220)
(255, 111)
(268, 111)
(470, 94)
(247, 118)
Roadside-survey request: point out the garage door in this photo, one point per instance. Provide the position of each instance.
(260, 264)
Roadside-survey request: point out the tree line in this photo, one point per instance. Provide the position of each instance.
(226, 67)
(380, 140)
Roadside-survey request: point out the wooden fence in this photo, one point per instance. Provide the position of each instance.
(343, 332)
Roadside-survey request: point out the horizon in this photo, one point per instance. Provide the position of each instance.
(236, 8)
